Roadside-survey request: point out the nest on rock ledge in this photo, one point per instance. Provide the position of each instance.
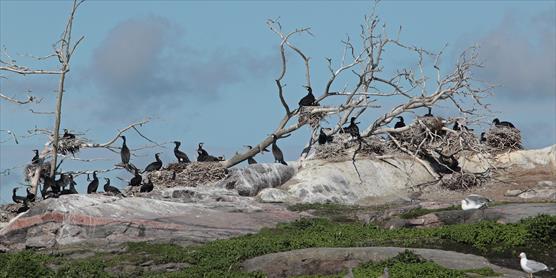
(464, 180)
(343, 146)
(188, 174)
(501, 139)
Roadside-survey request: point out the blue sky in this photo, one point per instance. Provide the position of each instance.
(204, 71)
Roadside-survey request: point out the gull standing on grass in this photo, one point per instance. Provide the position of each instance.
(531, 266)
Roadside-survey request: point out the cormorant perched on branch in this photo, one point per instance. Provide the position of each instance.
(68, 135)
(147, 187)
(309, 99)
(181, 156)
(154, 166)
(136, 180)
(18, 199)
(400, 123)
(429, 114)
(352, 128)
(203, 156)
(324, 138)
(498, 123)
(110, 189)
(276, 152)
(36, 158)
(124, 153)
(93, 186)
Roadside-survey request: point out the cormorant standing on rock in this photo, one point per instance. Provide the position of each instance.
(324, 138)
(110, 189)
(203, 156)
(352, 128)
(250, 160)
(93, 186)
(68, 135)
(30, 196)
(59, 184)
(147, 187)
(18, 199)
(154, 166)
(136, 180)
(181, 156)
(276, 152)
(429, 114)
(498, 123)
(125, 154)
(49, 182)
(72, 185)
(309, 99)
(36, 158)
(400, 123)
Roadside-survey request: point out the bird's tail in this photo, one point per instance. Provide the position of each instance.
(283, 162)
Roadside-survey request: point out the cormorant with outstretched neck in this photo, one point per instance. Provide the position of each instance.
(400, 123)
(93, 185)
(36, 158)
(124, 153)
(498, 123)
(110, 189)
(18, 199)
(136, 180)
(147, 187)
(181, 156)
(276, 152)
(68, 135)
(309, 99)
(154, 166)
(429, 114)
(352, 128)
(203, 155)
(324, 138)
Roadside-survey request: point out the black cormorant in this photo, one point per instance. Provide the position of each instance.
(136, 180)
(400, 123)
(429, 114)
(18, 199)
(72, 185)
(125, 154)
(59, 184)
(68, 135)
(147, 187)
(498, 123)
(181, 156)
(154, 166)
(352, 128)
(30, 196)
(93, 186)
(203, 156)
(483, 138)
(250, 160)
(36, 158)
(324, 138)
(276, 152)
(309, 99)
(110, 189)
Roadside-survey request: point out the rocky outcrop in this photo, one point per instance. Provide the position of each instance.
(328, 261)
(102, 220)
(250, 180)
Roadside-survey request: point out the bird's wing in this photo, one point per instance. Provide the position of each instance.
(536, 266)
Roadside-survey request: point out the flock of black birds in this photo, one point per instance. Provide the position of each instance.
(54, 188)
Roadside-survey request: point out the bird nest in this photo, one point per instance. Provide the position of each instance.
(333, 152)
(68, 145)
(500, 139)
(189, 174)
(463, 180)
(425, 133)
(342, 150)
(30, 169)
(313, 119)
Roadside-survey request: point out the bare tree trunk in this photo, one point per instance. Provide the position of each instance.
(56, 130)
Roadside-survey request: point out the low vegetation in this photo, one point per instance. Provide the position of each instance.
(222, 258)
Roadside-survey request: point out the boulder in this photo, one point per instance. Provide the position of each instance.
(273, 195)
(329, 261)
(250, 180)
(543, 190)
(104, 220)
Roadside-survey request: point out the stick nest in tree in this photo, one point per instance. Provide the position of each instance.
(29, 170)
(312, 119)
(343, 147)
(501, 139)
(66, 145)
(463, 180)
(189, 174)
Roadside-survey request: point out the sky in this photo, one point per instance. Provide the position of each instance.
(204, 71)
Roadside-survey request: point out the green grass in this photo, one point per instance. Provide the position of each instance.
(416, 212)
(222, 258)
